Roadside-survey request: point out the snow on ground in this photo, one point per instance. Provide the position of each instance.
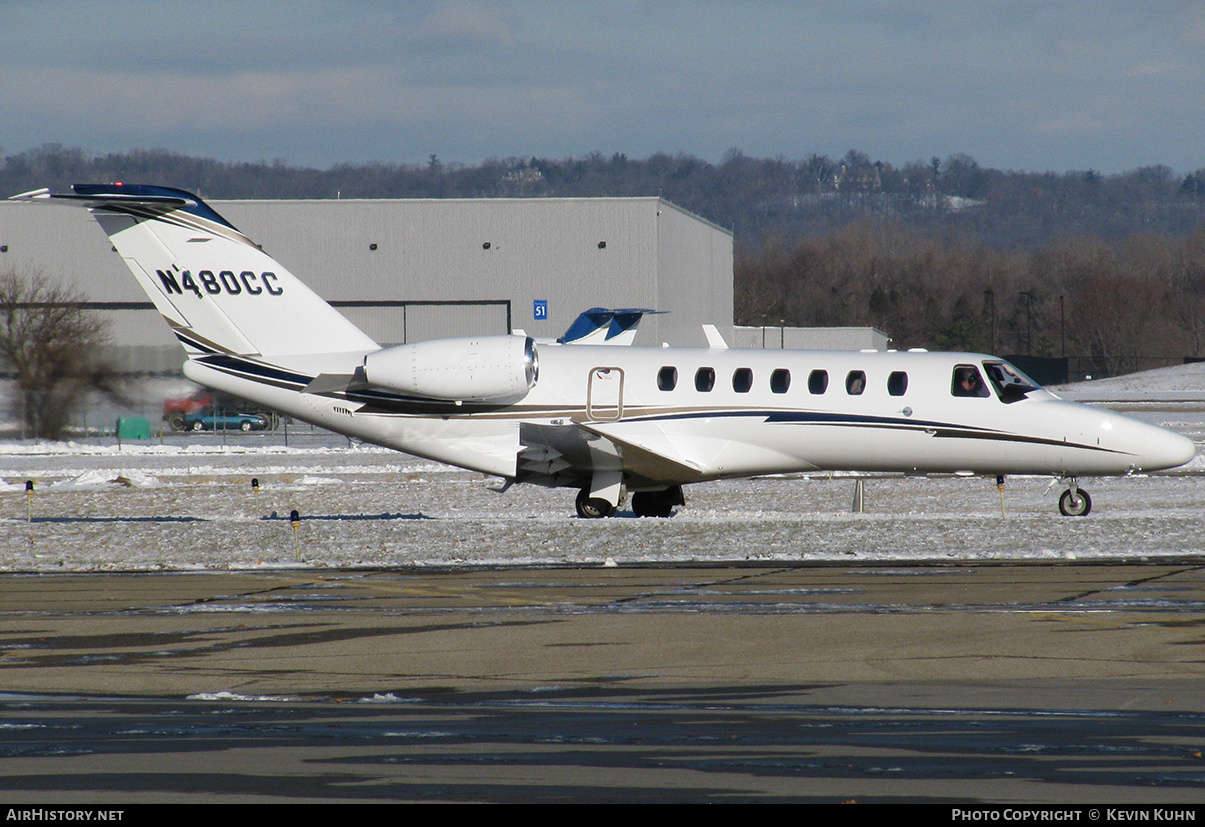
(1175, 378)
(186, 503)
(188, 509)
(1183, 384)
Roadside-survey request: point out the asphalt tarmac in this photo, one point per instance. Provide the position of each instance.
(1067, 683)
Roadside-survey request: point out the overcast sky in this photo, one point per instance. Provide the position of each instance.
(1019, 84)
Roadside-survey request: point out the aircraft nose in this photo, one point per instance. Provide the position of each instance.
(1162, 448)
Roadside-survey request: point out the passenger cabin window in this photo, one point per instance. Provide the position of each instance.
(818, 382)
(704, 379)
(742, 380)
(667, 378)
(968, 382)
(780, 380)
(897, 383)
(855, 382)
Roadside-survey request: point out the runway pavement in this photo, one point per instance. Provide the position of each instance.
(315, 633)
(721, 683)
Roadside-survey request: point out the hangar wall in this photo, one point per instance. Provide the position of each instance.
(810, 338)
(570, 254)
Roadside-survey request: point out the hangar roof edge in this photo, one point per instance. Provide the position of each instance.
(577, 199)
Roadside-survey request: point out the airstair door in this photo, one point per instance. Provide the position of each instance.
(604, 394)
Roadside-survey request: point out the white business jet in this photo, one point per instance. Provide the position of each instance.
(607, 421)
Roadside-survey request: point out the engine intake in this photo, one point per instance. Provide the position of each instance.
(470, 369)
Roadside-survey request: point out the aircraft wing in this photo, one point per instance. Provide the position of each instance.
(645, 450)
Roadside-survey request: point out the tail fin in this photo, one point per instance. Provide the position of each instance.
(600, 326)
(216, 288)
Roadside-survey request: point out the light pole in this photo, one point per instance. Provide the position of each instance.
(1062, 327)
(989, 296)
(1028, 322)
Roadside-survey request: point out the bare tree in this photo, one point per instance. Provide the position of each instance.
(51, 343)
(1119, 318)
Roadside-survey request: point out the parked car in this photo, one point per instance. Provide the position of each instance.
(175, 409)
(210, 421)
(182, 413)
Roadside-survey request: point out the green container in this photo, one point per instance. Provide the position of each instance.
(133, 427)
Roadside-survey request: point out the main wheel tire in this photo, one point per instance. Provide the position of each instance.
(652, 504)
(1076, 504)
(592, 508)
(176, 420)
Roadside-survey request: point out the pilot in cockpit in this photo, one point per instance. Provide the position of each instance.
(967, 382)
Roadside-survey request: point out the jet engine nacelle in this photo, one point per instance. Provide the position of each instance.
(470, 369)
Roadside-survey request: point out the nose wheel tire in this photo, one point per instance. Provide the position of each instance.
(1075, 503)
(592, 508)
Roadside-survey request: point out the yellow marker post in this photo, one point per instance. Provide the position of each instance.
(295, 522)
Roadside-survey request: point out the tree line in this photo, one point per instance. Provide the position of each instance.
(759, 199)
(1110, 307)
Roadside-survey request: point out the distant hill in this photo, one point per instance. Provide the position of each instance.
(757, 198)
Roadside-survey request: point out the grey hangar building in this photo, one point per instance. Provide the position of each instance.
(405, 270)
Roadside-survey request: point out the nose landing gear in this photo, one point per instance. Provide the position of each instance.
(1075, 502)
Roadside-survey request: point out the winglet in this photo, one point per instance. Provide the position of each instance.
(33, 195)
(714, 338)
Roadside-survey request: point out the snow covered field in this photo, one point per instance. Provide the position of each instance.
(186, 503)
(191, 507)
(1179, 382)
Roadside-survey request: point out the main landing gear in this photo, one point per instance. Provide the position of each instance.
(644, 503)
(591, 508)
(657, 503)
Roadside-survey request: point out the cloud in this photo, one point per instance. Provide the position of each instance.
(465, 21)
(336, 81)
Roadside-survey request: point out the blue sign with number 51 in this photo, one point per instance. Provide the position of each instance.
(540, 309)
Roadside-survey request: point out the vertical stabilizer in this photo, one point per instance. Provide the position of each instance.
(600, 326)
(216, 288)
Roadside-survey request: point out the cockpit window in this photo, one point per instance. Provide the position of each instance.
(1011, 385)
(968, 382)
